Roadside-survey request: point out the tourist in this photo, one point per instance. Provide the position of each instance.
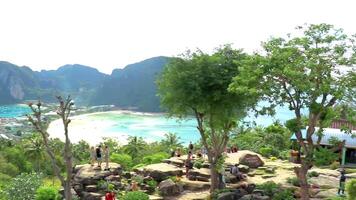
(341, 190)
(179, 153)
(110, 196)
(98, 156)
(92, 156)
(191, 147)
(188, 165)
(134, 186)
(204, 152)
(107, 155)
(235, 171)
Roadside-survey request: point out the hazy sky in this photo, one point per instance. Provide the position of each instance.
(108, 34)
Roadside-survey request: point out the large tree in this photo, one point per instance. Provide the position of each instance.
(196, 84)
(36, 118)
(312, 70)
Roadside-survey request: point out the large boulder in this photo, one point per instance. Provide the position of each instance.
(252, 160)
(92, 196)
(160, 171)
(169, 188)
(201, 174)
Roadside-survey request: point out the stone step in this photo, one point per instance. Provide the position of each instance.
(194, 185)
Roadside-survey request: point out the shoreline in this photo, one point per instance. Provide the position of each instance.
(94, 127)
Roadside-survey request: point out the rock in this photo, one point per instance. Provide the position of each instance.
(92, 196)
(113, 178)
(227, 196)
(270, 170)
(250, 188)
(253, 160)
(160, 171)
(91, 188)
(244, 168)
(86, 175)
(266, 176)
(324, 194)
(324, 182)
(251, 174)
(194, 185)
(254, 197)
(169, 188)
(229, 178)
(206, 165)
(174, 161)
(203, 172)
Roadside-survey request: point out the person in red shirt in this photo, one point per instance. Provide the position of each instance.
(110, 196)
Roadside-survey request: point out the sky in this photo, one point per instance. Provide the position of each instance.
(108, 34)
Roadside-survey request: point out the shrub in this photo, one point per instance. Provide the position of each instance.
(155, 158)
(23, 186)
(269, 188)
(198, 164)
(324, 156)
(46, 193)
(101, 184)
(124, 160)
(9, 169)
(175, 179)
(351, 189)
(284, 155)
(266, 151)
(335, 165)
(313, 174)
(273, 158)
(294, 181)
(152, 183)
(284, 195)
(137, 195)
(138, 179)
(337, 198)
(138, 166)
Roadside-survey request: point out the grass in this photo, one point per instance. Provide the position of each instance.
(52, 181)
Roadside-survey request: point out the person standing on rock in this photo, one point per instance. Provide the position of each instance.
(188, 165)
(98, 156)
(341, 190)
(191, 147)
(110, 196)
(107, 155)
(92, 156)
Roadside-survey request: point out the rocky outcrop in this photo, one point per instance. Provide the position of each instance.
(86, 179)
(160, 171)
(252, 160)
(169, 188)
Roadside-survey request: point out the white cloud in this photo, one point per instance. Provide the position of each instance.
(45, 34)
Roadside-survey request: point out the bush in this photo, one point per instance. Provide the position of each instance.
(9, 169)
(284, 195)
(266, 151)
(294, 181)
(324, 156)
(198, 164)
(46, 193)
(269, 188)
(23, 186)
(351, 189)
(155, 158)
(138, 166)
(136, 196)
(335, 165)
(124, 160)
(313, 174)
(273, 158)
(152, 183)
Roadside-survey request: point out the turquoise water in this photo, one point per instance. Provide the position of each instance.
(11, 111)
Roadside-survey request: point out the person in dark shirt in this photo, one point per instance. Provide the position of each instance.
(191, 147)
(342, 183)
(99, 158)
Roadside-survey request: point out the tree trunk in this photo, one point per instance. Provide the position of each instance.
(301, 173)
(214, 177)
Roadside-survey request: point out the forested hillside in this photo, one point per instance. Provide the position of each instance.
(132, 87)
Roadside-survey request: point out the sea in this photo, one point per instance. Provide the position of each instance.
(151, 127)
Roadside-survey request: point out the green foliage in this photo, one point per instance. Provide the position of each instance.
(155, 158)
(23, 186)
(324, 156)
(198, 164)
(46, 193)
(81, 152)
(273, 140)
(216, 193)
(102, 184)
(294, 181)
(269, 188)
(313, 174)
(9, 169)
(284, 195)
(351, 189)
(337, 198)
(138, 179)
(124, 160)
(138, 195)
(335, 165)
(152, 183)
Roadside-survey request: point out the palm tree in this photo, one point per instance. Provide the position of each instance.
(34, 149)
(171, 141)
(134, 146)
